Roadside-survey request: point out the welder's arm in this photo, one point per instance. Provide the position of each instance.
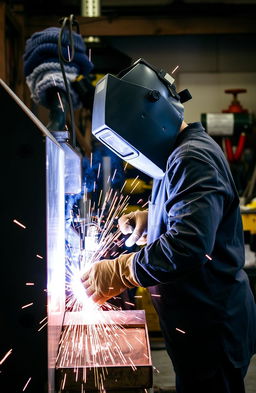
(109, 277)
(195, 206)
(135, 223)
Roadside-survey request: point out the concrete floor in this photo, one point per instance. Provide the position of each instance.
(164, 374)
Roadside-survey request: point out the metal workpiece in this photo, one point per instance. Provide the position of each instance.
(73, 163)
(110, 350)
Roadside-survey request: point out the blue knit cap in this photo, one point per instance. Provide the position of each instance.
(41, 59)
(51, 35)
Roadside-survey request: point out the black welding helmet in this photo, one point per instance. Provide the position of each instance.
(138, 115)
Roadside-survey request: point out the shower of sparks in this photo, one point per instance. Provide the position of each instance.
(30, 284)
(207, 256)
(175, 69)
(5, 357)
(155, 295)
(19, 223)
(181, 331)
(27, 305)
(26, 384)
(39, 256)
(100, 342)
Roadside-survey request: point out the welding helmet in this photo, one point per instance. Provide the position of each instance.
(138, 115)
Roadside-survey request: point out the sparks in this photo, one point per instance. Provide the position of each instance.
(99, 341)
(60, 101)
(19, 223)
(175, 69)
(30, 284)
(64, 382)
(208, 257)
(39, 256)
(5, 356)
(69, 57)
(42, 320)
(98, 173)
(42, 326)
(130, 304)
(114, 174)
(181, 331)
(27, 305)
(156, 370)
(26, 384)
(134, 180)
(145, 204)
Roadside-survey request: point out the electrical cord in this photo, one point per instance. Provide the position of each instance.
(68, 23)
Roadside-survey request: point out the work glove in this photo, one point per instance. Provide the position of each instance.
(109, 277)
(135, 223)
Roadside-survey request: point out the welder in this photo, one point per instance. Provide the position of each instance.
(194, 253)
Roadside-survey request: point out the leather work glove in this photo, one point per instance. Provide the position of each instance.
(109, 277)
(135, 223)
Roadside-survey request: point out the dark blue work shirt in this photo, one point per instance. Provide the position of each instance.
(194, 258)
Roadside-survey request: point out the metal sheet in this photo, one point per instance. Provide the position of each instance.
(55, 252)
(112, 347)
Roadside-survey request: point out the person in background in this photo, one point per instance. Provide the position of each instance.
(193, 257)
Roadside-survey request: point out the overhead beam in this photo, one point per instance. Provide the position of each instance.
(149, 26)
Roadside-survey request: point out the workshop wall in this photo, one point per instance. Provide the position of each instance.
(207, 66)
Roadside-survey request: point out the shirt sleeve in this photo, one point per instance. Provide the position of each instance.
(194, 209)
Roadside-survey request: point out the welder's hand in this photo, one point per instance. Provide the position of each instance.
(135, 223)
(109, 277)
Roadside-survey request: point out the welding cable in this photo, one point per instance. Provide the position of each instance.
(70, 21)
